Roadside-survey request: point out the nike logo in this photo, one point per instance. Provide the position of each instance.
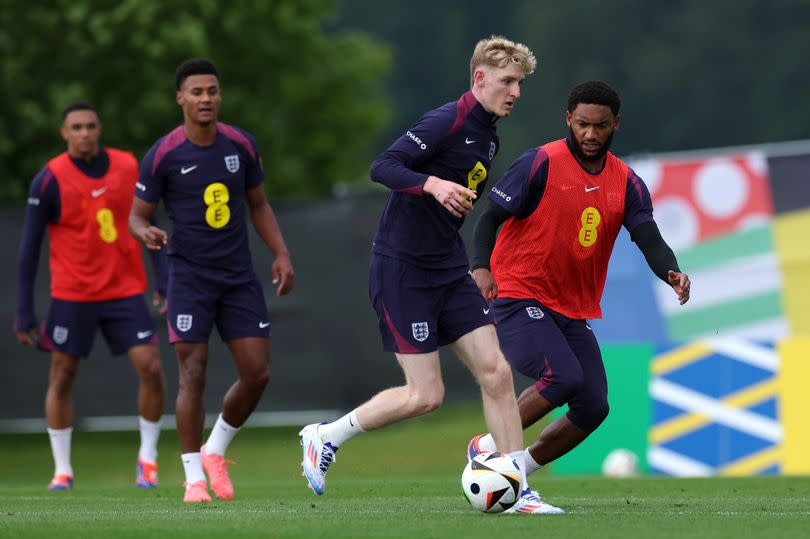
(264, 324)
(486, 311)
(144, 334)
(468, 141)
(350, 422)
(140, 186)
(186, 170)
(98, 192)
(589, 189)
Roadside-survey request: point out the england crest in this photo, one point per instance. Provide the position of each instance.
(535, 312)
(232, 163)
(184, 322)
(420, 330)
(60, 334)
(491, 150)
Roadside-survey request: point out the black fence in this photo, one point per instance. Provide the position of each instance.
(326, 350)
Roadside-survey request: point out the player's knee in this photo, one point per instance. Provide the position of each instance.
(601, 412)
(151, 372)
(426, 400)
(192, 377)
(591, 416)
(260, 378)
(497, 378)
(569, 386)
(62, 377)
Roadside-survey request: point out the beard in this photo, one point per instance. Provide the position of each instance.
(581, 155)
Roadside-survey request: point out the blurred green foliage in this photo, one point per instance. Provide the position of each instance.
(692, 74)
(312, 99)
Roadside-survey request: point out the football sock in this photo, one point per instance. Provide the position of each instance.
(193, 467)
(531, 464)
(487, 443)
(220, 437)
(60, 447)
(150, 432)
(520, 460)
(341, 430)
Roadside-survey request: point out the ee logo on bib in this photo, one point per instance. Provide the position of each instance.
(216, 197)
(590, 220)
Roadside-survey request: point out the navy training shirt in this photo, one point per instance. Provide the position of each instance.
(455, 142)
(204, 190)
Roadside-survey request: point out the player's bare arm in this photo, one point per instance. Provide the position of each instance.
(455, 198)
(153, 237)
(266, 225)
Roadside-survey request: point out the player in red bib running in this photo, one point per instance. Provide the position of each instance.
(82, 198)
(561, 206)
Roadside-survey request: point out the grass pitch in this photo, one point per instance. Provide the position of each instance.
(399, 482)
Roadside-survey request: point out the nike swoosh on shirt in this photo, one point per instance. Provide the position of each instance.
(468, 141)
(589, 189)
(486, 311)
(264, 324)
(98, 192)
(186, 170)
(144, 334)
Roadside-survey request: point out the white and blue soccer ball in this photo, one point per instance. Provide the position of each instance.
(491, 482)
(620, 463)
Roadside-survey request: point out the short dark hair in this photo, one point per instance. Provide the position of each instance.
(194, 66)
(594, 92)
(78, 105)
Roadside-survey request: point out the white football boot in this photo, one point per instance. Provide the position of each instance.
(318, 456)
(531, 503)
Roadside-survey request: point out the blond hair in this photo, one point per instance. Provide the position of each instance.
(497, 51)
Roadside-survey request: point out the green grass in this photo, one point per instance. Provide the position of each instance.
(399, 482)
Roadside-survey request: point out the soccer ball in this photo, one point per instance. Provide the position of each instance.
(620, 463)
(491, 482)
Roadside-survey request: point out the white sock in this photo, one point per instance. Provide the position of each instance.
(519, 459)
(193, 467)
(60, 447)
(341, 430)
(531, 464)
(487, 443)
(150, 432)
(220, 437)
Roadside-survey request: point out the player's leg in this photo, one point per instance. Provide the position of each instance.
(251, 356)
(192, 360)
(534, 344)
(242, 322)
(479, 350)
(422, 393)
(587, 409)
(127, 327)
(407, 305)
(192, 298)
(151, 396)
(59, 416)
(67, 333)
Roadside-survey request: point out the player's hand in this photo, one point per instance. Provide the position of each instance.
(153, 237)
(486, 283)
(28, 338)
(680, 284)
(455, 198)
(160, 303)
(283, 274)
